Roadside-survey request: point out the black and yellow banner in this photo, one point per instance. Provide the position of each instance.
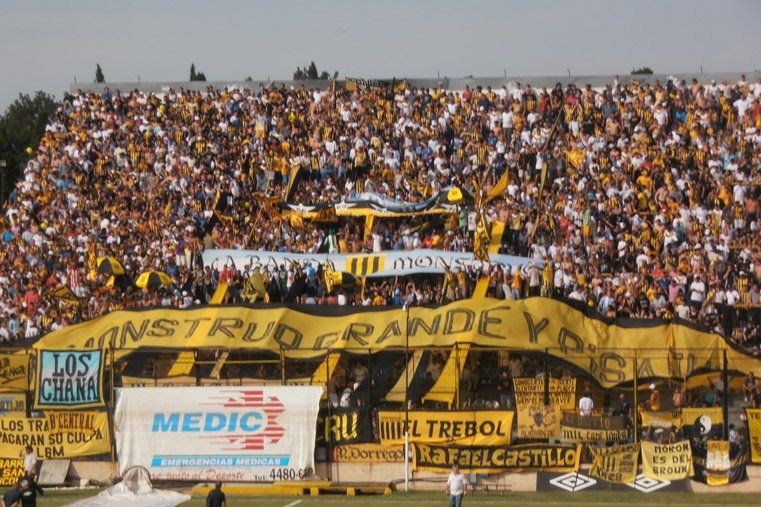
(615, 464)
(368, 453)
(13, 404)
(11, 470)
(534, 324)
(592, 428)
(753, 416)
(58, 435)
(682, 417)
(530, 391)
(539, 421)
(667, 462)
(344, 426)
(718, 462)
(364, 265)
(535, 419)
(14, 371)
(478, 459)
(457, 427)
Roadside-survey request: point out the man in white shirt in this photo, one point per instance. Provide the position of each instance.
(30, 462)
(457, 485)
(586, 405)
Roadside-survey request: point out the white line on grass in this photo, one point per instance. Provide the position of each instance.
(292, 504)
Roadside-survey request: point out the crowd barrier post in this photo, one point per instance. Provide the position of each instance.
(282, 366)
(458, 370)
(406, 310)
(635, 406)
(328, 440)
(545, 371)
(725, 396)
(112, 406)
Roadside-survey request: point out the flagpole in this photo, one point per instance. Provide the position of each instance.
(635, 408)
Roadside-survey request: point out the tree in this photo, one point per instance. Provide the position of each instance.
(21, 127)
(642, 70)
(99, 77)
(196, 76)
(310, 72)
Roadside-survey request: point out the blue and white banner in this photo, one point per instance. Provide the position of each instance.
(388, 263)
(69, 379)
(218, 433)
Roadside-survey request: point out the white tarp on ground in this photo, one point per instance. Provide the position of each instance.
(388, 263)
(218, 433)
(135, 489)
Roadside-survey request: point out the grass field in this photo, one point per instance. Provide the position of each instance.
(420, 499)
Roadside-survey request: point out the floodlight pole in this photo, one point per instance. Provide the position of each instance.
(406, 310)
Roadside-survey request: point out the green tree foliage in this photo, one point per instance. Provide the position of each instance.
(642, 70)
(310, 72)
(21, 127)
(99, 77)
(196, 76)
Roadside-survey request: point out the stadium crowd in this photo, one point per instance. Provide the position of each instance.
(636, 200)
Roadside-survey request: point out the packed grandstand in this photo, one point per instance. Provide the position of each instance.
(635, 200)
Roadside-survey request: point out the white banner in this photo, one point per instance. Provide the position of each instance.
(383, 264)
(218, 433)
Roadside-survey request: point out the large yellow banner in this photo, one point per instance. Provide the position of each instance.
(681, 416)
(537, 324)
(615, 464)
(535, 419)
(754, 428)
(58, 435)
(456, 427)
(667, 462)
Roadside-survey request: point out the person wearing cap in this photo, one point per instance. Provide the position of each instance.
(456, 486)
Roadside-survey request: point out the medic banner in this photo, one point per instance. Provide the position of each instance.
(455, 427)
(339, 426)
(218, 433)
(69, 379)
(483, 460)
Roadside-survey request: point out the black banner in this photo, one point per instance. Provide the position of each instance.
(592, 428)
(481, 459)
(717, 462)
(344, 426)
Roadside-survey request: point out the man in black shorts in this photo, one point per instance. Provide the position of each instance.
(216, 498)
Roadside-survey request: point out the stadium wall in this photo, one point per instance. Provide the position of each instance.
(448, 83)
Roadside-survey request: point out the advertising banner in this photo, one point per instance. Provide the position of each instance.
(69, 379)
(667, 462)
(482, 460)
(344, 426)
(14, 371)
(368, 453)
(218, 433)
(457, 427)
(58, 435)
(592, 429)
(753, 416)
(13, 404)
(615, 464)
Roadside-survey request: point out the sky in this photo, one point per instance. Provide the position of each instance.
(47, 44)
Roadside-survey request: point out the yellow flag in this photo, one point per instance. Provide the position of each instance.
(481, 239)
(499, 188)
